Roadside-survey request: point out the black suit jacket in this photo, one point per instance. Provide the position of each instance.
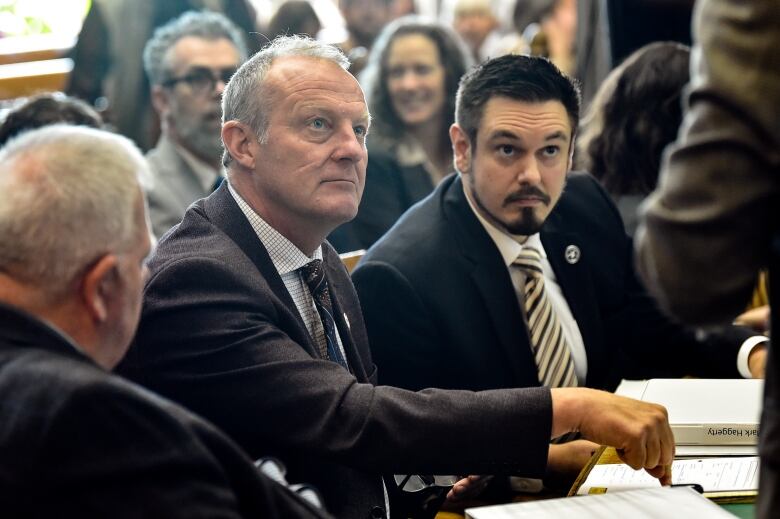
(220, 334)
(441, 310)
(76, 441)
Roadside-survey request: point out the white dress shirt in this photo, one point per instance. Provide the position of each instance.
(510, 246)
(287, 259)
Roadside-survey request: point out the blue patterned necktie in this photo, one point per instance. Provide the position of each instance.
(314, 275)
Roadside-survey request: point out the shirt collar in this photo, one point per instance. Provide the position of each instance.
(285, 256)
(206, 175)
(509, 245)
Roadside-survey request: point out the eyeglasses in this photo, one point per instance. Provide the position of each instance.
(419, 482)
(202, 80)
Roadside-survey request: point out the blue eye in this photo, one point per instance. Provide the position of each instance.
(318, 124)
(360, 131)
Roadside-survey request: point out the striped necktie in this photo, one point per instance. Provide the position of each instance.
(314, 276)
(551, 352)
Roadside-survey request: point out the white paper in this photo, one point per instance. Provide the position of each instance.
(713, 474)
(656, 503)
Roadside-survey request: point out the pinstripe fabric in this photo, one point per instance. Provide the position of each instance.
(551, 351)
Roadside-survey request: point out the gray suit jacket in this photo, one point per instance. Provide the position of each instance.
(714, 221)
(175, 186)
(220, 333)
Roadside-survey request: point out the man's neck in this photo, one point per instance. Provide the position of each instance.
(212, 162)
(300, 234)
(61, 314)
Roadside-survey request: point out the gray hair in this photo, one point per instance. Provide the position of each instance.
(244, 99)
(67, 195)
(206, 25)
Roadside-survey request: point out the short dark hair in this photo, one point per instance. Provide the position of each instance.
(453, 54)
(635, 114)
(45, 109)
(292, 17)
(523, 78)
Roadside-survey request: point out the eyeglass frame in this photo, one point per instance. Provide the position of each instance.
(201, 73)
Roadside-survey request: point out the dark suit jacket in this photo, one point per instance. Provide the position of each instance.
(220, 333)
(441, 310)
(390, 190)
(76, 441)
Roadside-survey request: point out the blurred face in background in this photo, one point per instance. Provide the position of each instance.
(189, 106)
(415, 79)
(473, 25)
(365, 18)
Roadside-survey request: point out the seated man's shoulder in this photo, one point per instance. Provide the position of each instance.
(417, 250)
(196, 237)
(71, 400)
(584, 204)
(164, 157)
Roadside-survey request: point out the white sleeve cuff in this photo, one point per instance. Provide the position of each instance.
(745, 351)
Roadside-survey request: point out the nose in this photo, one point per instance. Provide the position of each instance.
(529, 172)
(409, 80)
(349, 147)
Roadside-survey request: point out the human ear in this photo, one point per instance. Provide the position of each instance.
(99, 286)
(160, 100)
(461, 149)
(240, 142)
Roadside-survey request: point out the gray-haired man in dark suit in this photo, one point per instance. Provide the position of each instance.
(240, 324)
(75, 440)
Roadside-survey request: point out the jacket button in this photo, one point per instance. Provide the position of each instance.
(377, 512)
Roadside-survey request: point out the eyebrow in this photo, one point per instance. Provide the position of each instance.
(504, 134)
(328, 111)
(559, 135)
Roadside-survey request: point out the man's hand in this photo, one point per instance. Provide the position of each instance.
(756, 318)
(639, 431)
(469, 487)
(565, 461)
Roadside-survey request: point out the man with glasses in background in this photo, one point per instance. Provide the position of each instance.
(188, 62)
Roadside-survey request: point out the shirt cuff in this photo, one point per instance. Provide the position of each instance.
(745, 351)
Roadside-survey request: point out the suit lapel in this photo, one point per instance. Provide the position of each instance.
(223, 211)
(336, 282)
(574, 279)
(492, 280)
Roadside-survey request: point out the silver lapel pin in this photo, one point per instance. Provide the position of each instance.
(572, 254)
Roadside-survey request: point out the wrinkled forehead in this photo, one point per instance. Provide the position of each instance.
(306, 79)
(544, 119)
(207, 52)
